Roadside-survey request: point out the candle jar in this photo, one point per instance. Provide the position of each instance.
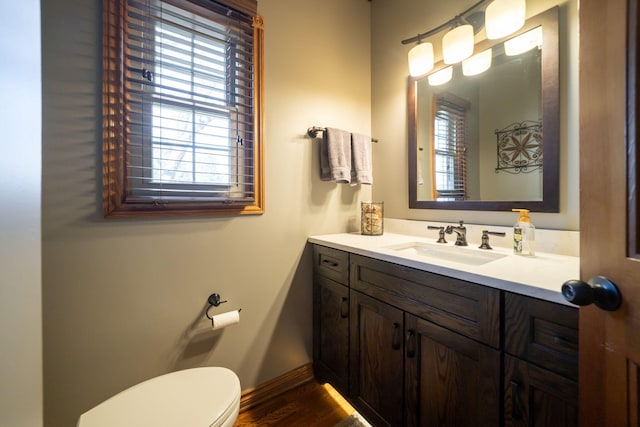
(372, 218)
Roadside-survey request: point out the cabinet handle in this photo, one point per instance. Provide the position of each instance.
(516, 411)
(411, 343)
(344, 308)
(563, 342)
(330, 263)
(395, 343)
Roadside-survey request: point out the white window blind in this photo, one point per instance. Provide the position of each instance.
(449, 157)
(188, 93)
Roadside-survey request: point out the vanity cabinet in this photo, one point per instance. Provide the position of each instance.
(541, 363)
(412, 348)
(423, 346)
(331, 317)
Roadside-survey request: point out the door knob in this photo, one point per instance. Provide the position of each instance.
(599, 291)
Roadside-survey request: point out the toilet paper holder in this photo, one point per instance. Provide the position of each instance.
(214, 300)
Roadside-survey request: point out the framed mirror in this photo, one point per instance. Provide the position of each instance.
(490, 141)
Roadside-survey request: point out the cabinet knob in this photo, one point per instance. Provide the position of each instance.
(598, 290)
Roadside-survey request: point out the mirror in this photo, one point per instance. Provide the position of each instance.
(478, 142)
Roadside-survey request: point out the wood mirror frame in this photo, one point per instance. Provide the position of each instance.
(550, 99)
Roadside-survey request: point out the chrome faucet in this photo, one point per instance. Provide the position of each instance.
(461, 231)
(441, 238)
(485, 238)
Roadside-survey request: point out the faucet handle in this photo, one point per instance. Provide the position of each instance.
(485, 238)
(441, 238)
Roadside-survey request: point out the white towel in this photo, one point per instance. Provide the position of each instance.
(335, 156)
(361, 171)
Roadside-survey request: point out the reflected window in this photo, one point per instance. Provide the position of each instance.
(449, 157)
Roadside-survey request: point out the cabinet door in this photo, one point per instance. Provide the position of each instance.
(451, 380)
(537, 397)
(331, 333)
(376, 360)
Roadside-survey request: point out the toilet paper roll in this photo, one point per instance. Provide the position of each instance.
(223, 320)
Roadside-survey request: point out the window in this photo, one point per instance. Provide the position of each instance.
(182, 119)
(449, 146)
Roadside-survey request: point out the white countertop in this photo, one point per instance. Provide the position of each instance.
(539, 277)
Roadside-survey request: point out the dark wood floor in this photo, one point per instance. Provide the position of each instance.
(309, 405)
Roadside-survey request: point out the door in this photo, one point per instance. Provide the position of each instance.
(609, 341)
(376, 360)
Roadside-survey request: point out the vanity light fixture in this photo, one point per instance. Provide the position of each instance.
(501, 18)
(457, 44)
(504, 17)
(440, 77)
(478, 63)
(421, 59)
(524, 42)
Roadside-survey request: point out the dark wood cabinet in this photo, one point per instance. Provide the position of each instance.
(377, 344)
(331, 318)
(469, 309)
(450, 379)
(331, 333)
(449, 334)
(534, 396)
(541, 364)
(543, 333)
(412, 348)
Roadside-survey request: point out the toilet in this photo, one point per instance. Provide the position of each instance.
(197, 397)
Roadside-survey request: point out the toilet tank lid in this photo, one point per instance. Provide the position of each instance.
(197, 396)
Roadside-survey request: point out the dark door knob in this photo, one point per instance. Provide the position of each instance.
(599, 291)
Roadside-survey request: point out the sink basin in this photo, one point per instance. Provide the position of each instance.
(449, 253)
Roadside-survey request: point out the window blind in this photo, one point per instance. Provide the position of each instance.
(449, 157)
(185, 97)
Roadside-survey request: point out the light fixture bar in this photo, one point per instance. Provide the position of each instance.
(439, 28)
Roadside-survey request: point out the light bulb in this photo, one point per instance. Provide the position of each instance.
(477, 63)
(420, 59)
(504, 17)
(524, 42)
(440, 77)
(457, 44)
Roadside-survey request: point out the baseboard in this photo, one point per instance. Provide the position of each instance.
(275, 387)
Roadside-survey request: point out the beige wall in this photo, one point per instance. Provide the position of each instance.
(393, 21)
(20, 191)
(123, 299)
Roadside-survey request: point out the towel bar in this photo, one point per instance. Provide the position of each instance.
(312, 132)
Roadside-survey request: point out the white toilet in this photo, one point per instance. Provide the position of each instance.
(198, 397)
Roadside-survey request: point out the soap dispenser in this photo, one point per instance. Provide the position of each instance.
(524, 235)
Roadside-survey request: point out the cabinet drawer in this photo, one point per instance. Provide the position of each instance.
(467, 308)
(331, 263)
(543, 333)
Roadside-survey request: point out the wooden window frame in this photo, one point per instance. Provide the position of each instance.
(116, 197)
